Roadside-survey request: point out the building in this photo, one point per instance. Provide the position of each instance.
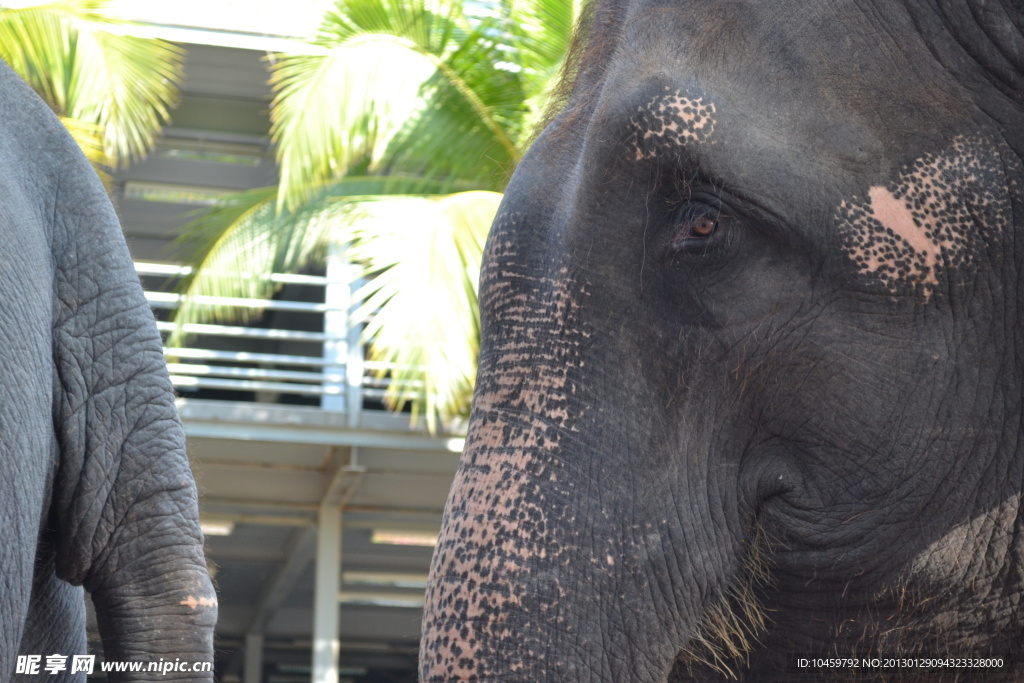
(320, 507)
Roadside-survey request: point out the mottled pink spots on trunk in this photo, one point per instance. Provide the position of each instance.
(502, 521)
(931, 222)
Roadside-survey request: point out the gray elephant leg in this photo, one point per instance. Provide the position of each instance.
(26, 462)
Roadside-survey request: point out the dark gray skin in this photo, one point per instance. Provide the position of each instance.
(751, 373)
(95, 486)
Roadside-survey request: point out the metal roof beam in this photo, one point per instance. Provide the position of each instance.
(326, 437)
(341, 484)
(300, 554)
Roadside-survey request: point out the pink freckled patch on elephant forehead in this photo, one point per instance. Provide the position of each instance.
(671, 120)
(931, 220)
(919, 234)
(893, 213)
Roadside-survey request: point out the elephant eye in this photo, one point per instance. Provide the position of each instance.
(693, 231)
(703, 227)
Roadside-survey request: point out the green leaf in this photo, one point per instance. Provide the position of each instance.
(337, 111)
(421, 255)
(84, 65)
(471, 114)
(542, 31)
(239, 244)
(236, 246)
(421, 300)
(400, 86)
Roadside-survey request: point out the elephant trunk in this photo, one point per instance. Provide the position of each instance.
(164, 628)
(545, 513)
(529, 543)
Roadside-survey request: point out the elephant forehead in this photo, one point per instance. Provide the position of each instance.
(929, 222)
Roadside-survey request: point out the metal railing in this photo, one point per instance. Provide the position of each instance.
(303, 347)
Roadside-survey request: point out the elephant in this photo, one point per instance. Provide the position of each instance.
(749, 398)
(95, 485)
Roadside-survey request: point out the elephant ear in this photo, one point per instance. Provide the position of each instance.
(123, 507)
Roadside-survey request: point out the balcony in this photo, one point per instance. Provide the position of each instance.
(304, 349)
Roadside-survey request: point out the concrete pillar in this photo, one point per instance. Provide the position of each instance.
(326, 647)
(253, 672)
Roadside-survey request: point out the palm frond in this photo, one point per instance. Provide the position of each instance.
(420, 304)
(126, 84)
(470, 118)
(542, 32)
(400, 98)
(401, 86)
(242, 242)
(432, 25)
(420, 300)
(238, 245)
(339, 110)
(86, 68)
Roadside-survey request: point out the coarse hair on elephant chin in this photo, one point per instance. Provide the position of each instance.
(732, 626)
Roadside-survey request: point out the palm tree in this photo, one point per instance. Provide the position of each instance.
(112, 90)
(394, 137)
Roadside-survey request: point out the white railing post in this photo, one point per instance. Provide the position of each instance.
(338, 391)
(354, 366)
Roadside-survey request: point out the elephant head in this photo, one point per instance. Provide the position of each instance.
(750, 380)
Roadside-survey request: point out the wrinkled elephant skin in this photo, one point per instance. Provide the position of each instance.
(95, 486)
(752, 369)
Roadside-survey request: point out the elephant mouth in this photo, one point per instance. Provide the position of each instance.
(733, 625)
